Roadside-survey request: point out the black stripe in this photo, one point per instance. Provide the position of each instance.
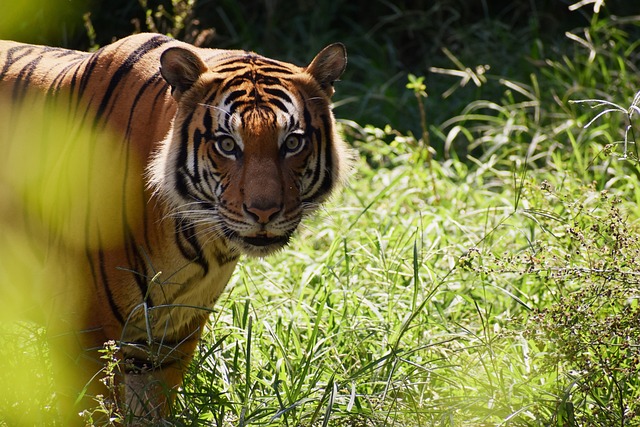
(276, 70)
(162, 90)
(151, 81)
(179, 166)
(24, 77)
(11, 60)
(224, 257)
(235, 81)
(314, 135)
(214, 166)
(266, 65)
(327, 182)
(61, 53)
(188, 243)
(158, 98)
(137, 266)
(268, 80)
(279, 104)
(231, 69)
(125, 68)
(180, 183)
(209, 101)
(87, 72)
(278, 93)
(198, 180)
(73, 82)
(198, 137)
(234, 95)
(56, 83)
(274, 65)
(105, 282)
(318, 166)
(207, 122)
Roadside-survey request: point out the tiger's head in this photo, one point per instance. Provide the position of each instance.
(253, 146)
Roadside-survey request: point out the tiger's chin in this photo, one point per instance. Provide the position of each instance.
(259, 245)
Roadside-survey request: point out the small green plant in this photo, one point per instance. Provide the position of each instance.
(107, 411)
(419, 88)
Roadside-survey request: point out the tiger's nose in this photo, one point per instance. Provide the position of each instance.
(262, 214)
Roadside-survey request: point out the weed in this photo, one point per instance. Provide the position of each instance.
(107, 411)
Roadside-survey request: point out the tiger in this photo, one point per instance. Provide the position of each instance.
(172, 162)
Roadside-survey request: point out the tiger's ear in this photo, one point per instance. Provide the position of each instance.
(328, 66)
(181, 68)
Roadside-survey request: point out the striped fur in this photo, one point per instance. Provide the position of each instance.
(189, 158)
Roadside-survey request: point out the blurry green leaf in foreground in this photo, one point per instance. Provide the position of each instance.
(63, 193)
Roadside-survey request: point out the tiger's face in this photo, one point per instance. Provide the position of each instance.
(253, 146)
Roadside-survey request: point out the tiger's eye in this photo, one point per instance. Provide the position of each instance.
(293, 143)
(227, 146)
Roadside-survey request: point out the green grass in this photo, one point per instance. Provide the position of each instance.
(496, 285)
(411, 317)
(504, 298)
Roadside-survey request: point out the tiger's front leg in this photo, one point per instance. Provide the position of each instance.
(149, 387)
(149, 393)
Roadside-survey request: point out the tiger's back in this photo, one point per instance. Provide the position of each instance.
(154, 165)
(118, 86)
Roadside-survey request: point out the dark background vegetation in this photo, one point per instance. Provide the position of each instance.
(385, 39)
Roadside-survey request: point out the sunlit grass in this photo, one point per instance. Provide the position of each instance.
(407, 303)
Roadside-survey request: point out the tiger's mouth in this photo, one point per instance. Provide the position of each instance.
(261, 244)
(265, 240)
